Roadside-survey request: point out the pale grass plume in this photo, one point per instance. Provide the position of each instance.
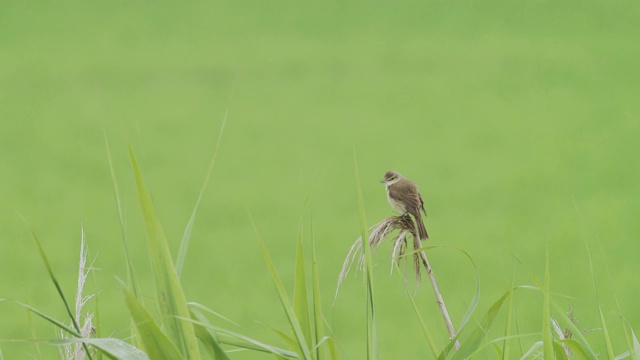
(377, 233)
(76, 351)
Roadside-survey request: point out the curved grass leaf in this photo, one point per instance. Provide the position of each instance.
(577, 350)
(578, 337)
(50, 319)
(171, 300)
(194, 305)
(475, 339)
(636, 345)
(228, 337)
(603, 323)
(208, 339)
(186, 236)
(133, 285)
(284, 299)
(300, 300)
(317, 308)
(476, 296)
(114, 348)
(53, 278)
(372, 341)
(423, 324)
(559, 351)
(156, 343)
(506, 345)
(547, 336)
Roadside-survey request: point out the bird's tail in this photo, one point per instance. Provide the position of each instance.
(422, 231)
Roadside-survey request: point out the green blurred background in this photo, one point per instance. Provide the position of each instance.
(519, 121)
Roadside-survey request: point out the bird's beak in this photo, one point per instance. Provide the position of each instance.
(382, 181)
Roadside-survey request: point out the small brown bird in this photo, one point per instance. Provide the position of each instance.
(404, 197)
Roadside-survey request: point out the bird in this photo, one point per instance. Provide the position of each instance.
(404, 197)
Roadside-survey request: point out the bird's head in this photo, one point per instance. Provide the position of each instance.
(391, 177)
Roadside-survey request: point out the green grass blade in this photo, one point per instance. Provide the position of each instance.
(605, 333)
(293, 344)
(186, 237)
(603, 323)
(506, 345)
(372, 342)
(558, 350)
(114, 348)
(53, 278)
(48, 318)
(425, 329)
(576, 333)
(476, 296)
(32, 326)
(206, 337)
(132, 282)
(284, 299)
(300, 299)
(228, 337)
(562, 318)
(195, 305)
(531, 274)
(156, 343)
(475, 339)
(636, 345)
(333, 349)
(547, 337)
(133, 285)
(170, 296)
(317, 304)
(615, 297)
(578, 351)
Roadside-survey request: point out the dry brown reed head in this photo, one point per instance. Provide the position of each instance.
(405, 226)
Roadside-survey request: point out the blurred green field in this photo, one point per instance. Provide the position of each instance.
(519, 121)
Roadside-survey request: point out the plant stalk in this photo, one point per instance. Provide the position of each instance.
(439, 299)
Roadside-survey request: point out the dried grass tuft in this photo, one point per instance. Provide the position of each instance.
(77, 351)
(378, 232)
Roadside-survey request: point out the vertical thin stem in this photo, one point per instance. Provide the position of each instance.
(439, 299)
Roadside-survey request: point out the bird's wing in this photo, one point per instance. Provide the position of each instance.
(407, 193)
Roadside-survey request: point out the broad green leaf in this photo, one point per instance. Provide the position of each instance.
(171, 300)
(156, 343)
